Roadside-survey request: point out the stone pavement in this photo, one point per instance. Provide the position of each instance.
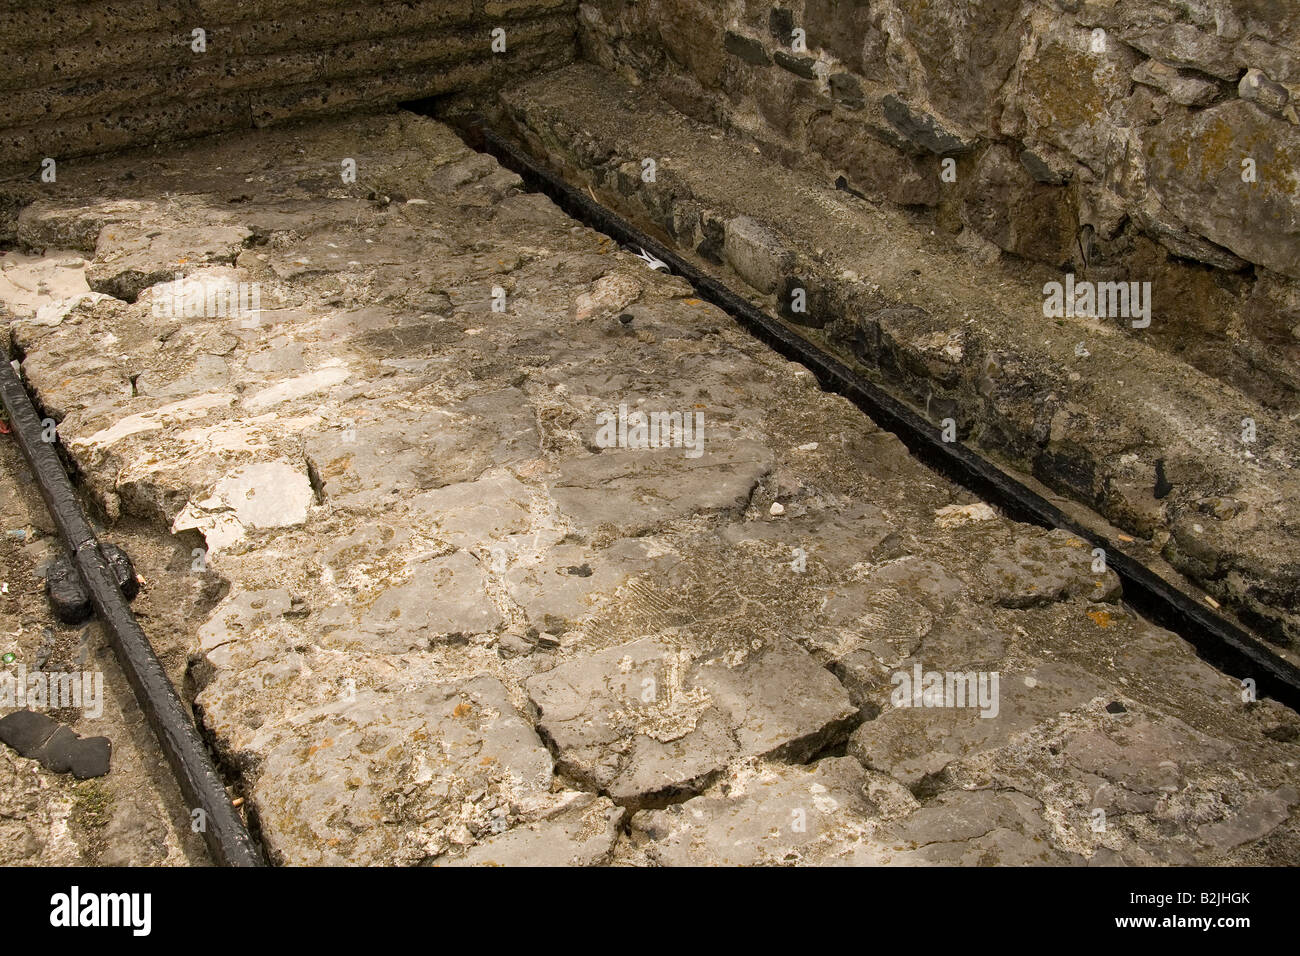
(1201, 475)
(470, 617)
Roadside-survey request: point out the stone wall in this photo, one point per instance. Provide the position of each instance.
(1109, 138)
(88, 76)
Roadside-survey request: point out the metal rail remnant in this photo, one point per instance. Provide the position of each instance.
(201, 786)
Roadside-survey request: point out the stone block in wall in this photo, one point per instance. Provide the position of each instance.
(965, 49)
(1195, 169)
(388, 54)
(1073, 96)
(522, 8)
(84, 136)
(1183, 88)
(692, 32)
(924, 129)
(746, 48)
(845, 30)
(1182, 44)
(309, 30)
(1008, 207)
(38, 66)
(1258, 88)
(757, 253)
(82, 97)
(873, 166)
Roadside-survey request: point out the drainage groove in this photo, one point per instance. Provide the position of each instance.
(201, 786)
(1218, 640)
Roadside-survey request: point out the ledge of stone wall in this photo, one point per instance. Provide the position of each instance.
(89, 77)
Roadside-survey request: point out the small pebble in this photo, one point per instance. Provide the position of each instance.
(777, 508)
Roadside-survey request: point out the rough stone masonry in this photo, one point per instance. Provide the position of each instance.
(377, 423)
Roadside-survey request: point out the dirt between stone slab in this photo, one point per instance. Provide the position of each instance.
(1161, 450)
(456, 628)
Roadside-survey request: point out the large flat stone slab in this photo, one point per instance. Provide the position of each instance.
(401, 778)
(649, 720)
(772, 815)
(583, 834)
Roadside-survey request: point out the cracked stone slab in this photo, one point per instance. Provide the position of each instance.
(912, 742)
(582, 834)
(131, 255)
(980, 828)
(442, 599)
(402, 778)
(770, 815)
(649, 719)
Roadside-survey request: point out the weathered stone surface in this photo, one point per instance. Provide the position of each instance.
(649, 720)
(402, 777)
(608, 294)
(1010, 209)
(582, 834)
(429, 601)
(476, 572)
(768, 815)
(1040, 393)
(1057, 565)
(1196, 171)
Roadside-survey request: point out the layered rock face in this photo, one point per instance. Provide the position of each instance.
(1142, 140)
(89, 75)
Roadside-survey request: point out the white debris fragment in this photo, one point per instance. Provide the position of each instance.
(955, 515)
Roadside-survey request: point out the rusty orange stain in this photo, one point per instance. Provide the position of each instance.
(327, 742)
(1102, 618)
